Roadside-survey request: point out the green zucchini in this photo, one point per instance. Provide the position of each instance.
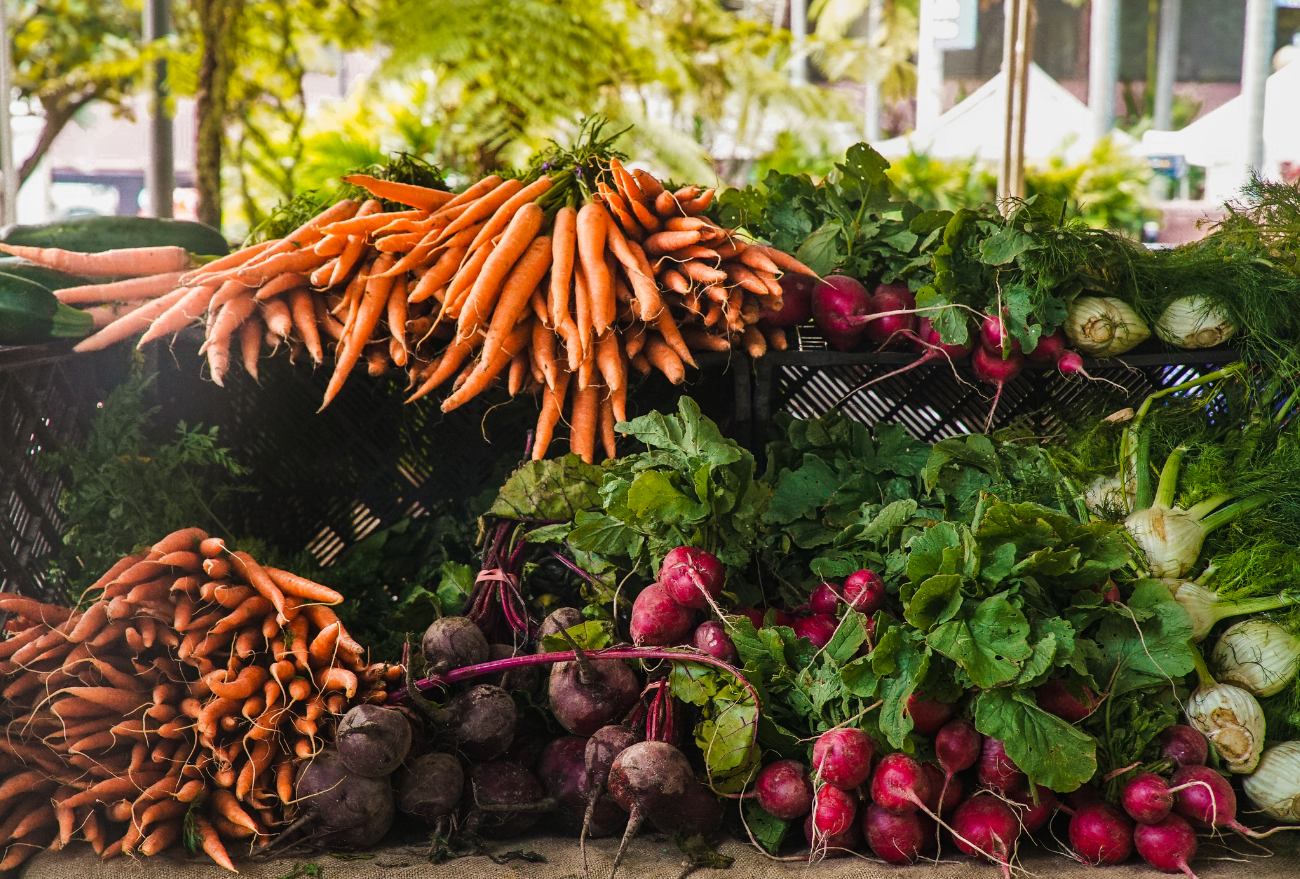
(50, 279)
(97, 234)
(30, 314)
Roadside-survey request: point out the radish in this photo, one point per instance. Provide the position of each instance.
(865, 592)
(1167, 845)
(842, 757)
(586, 695)
(796, 301)
(831, 845)
(925, 341)
(990, 368)
(839, 304)
(1048, 349)
(1080, 797)
(945, 793)
(928, 715)
(757, 616)
(833, 810)
(1205, 796)
(712, 638)
(825, 599)
(984, 826)
(957, 746)
(896, 309)
(644, 778)
(996, 770)
(899, 784)
(1054, 698)
(818, 629)
(657, 620)
(1185, 745)
(1034, 816)
(897, 839)
(1147, 798)
(1101, 834)
(994, 335)
(692, 577)
(784, 789)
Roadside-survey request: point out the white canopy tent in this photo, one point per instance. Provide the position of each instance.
(1217, 140)
(1058, 124)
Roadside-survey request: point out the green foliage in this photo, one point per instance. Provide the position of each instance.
(1107, 190)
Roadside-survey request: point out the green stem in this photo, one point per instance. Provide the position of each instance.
(1232, 511)
(1169, 478)
(1205, 507)
(1202, 670)
(1247, 606)
(1144, 491)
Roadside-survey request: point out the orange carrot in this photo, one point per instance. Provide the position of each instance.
(370, 217)
(301, 587)
(667, 327)
(136, 288)
(372, 305)
(518, 238)
(783, 260)
(211, 843)
(439, 274)
(232, 260)
(666, 242)
(609, 360)
(606, 428)
(524, 277)
(754, 342)
(278, 316)
(483, 187)
(337, 679)
(250, 570)
(455, 354)
(421, 197)
(664, 358)
(299, 240)
(130, 324)
(552, 408)
(217, 347)
(591, 233)
(518, 371)
(632, 258)
(507, 211)
(396, 317)
(543, 352)
(133, 262)
(582, 426)
(464, 280)
(649, 184)
(696, 205)
(482, 208)
(623, 214)
(282, 284)
(250, 344)
(490, 367)
(582, 321)
(330, 245)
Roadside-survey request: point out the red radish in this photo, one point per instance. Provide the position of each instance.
(865, 592)
(996, 770)
(1101, 834)
(758, 615)
(957, 746)
(984, 826)
(833, 810)
(1167, 845)
(1147, 798)
(928, 715)
(994, 335)
(898, 839)
(896, 307)
(924, 341)
(945, 793)
(1080, 797)
(1205, 796)
(1048, 349)
(824, 599)
(839, 304)
(712, 638)
(657, 620)
(1185, 745)
(842, 757)
(784, 789)
(818, 629)
(899, 784)
(990, 368)
(831, 845)
(1034, 816)
(1055, 698)
(796, 301)
(692, 577)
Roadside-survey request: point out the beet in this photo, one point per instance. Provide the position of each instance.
(1185, 745)
(657, 620)
(372, 740)
(865, 592)
(1033, 816)
(561, 772)
(502, 783)
(647, 778)
(1167, 845)
(484, 721)
(692, 577)
(817, 629)
(431, 787)
(842, 757)
(898, 839)
(796, 301)
(996, 770)
(928, 715)
(1101, 834)
(1146, 798)
(451, 643)
(1054, 698)
(838, 305)
(557, 621)
(784, 789)
(354, 811)
(712, 638)
(526, 677)
(697, 811)
(609, 691)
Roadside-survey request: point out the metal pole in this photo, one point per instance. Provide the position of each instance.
(8, 178)
(1256, 64)
(1171, 12)
(1025, 50)
(870, 85)
(929, 70)
(1010, 36)
(799, 32)
(1103, 65)
(160, 171)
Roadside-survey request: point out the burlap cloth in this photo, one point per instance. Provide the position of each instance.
(653, 856)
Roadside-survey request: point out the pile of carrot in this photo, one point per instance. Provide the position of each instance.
(177, 703)
(502, 281)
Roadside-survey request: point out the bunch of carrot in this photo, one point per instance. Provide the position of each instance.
(177, 703)
(558, 293)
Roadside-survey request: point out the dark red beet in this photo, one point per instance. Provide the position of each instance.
(501, 783)
(602, 749)
(1035, 816)
(557, 621)
(484, 721)
(996, 770)
(712, 638)
(796, 301)
(865, 592)
(842, 757)
(838, 305)
(691, 577)
(784, 789)
(1185, 745)
(1101, 834)
(1167, 845)
(697, 811)
(431, 786)
(560, 769)
(928, 715)
(657, 620)
(1054, 698)
(817, 629)
(898, 839)
(825, 599)
(584, 707)
(645, 779)
(1147, 798)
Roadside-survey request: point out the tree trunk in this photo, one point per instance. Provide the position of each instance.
(217, 19)
(57, 115)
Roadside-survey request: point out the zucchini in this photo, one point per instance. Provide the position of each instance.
(30, 314)
(97, 234)
(50, 279)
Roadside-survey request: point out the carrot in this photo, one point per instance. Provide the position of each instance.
(625, 181)
(182, 540)
(783, 260)
(704, 274)
(248, 610)
(110, 789)
(518, 371)
(403, 243)
(300, 688)
(664, 358)
(130, 324)
(463, 281)
(696, 205)
(489, 368)
(582, 427)
(233, 315)
(337, 679)
(543, 352)
(278, 317)
(606, 428)
(304, 321)
(257, 577)
(698, 339)
(504, 214)
(452, 357)
(211, 843)
(623, 214)
(482, 208)
(484, 186)
(119, 291)
(591, 234)
(296, 241)
(439, 274)
(397, 318)
(667, 327)
(370, 218)
(162, 838)
(518, 238)
(421, 197)
(666, 242)
(321, 616)
(323, 645)
(582, 321)
(49, 614)
(372, 305)
(632, 258)
(665, 204)
(645, 217)
(133, 262)
(282, 284)
(609, 360)
(527, 273)
(301, 587)
(124, 701)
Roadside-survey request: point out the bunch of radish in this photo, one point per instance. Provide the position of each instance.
(663, 614)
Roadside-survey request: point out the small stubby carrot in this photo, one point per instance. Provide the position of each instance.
(421, 197)
(128, 325)
(336, 678)
(133, 262)
(517, 372)
(592, 224)
(754, 341)
(582, 423)
(301, 587)
(662, 357)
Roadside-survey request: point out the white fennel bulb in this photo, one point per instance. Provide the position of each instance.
(1205, 607)
(1104, 326)
(1275, 784)
(1171, 538)
(1233, 722)
(1193, 322)
(1257, 655)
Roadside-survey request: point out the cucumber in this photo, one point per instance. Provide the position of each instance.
(50, 279)
(97, 234)
(30, 314)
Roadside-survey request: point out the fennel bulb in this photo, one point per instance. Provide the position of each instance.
(1205, 607)
(1275, 784)
(1104, 326)
(1193, 322)
(1257, 655)
(1229, 717)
